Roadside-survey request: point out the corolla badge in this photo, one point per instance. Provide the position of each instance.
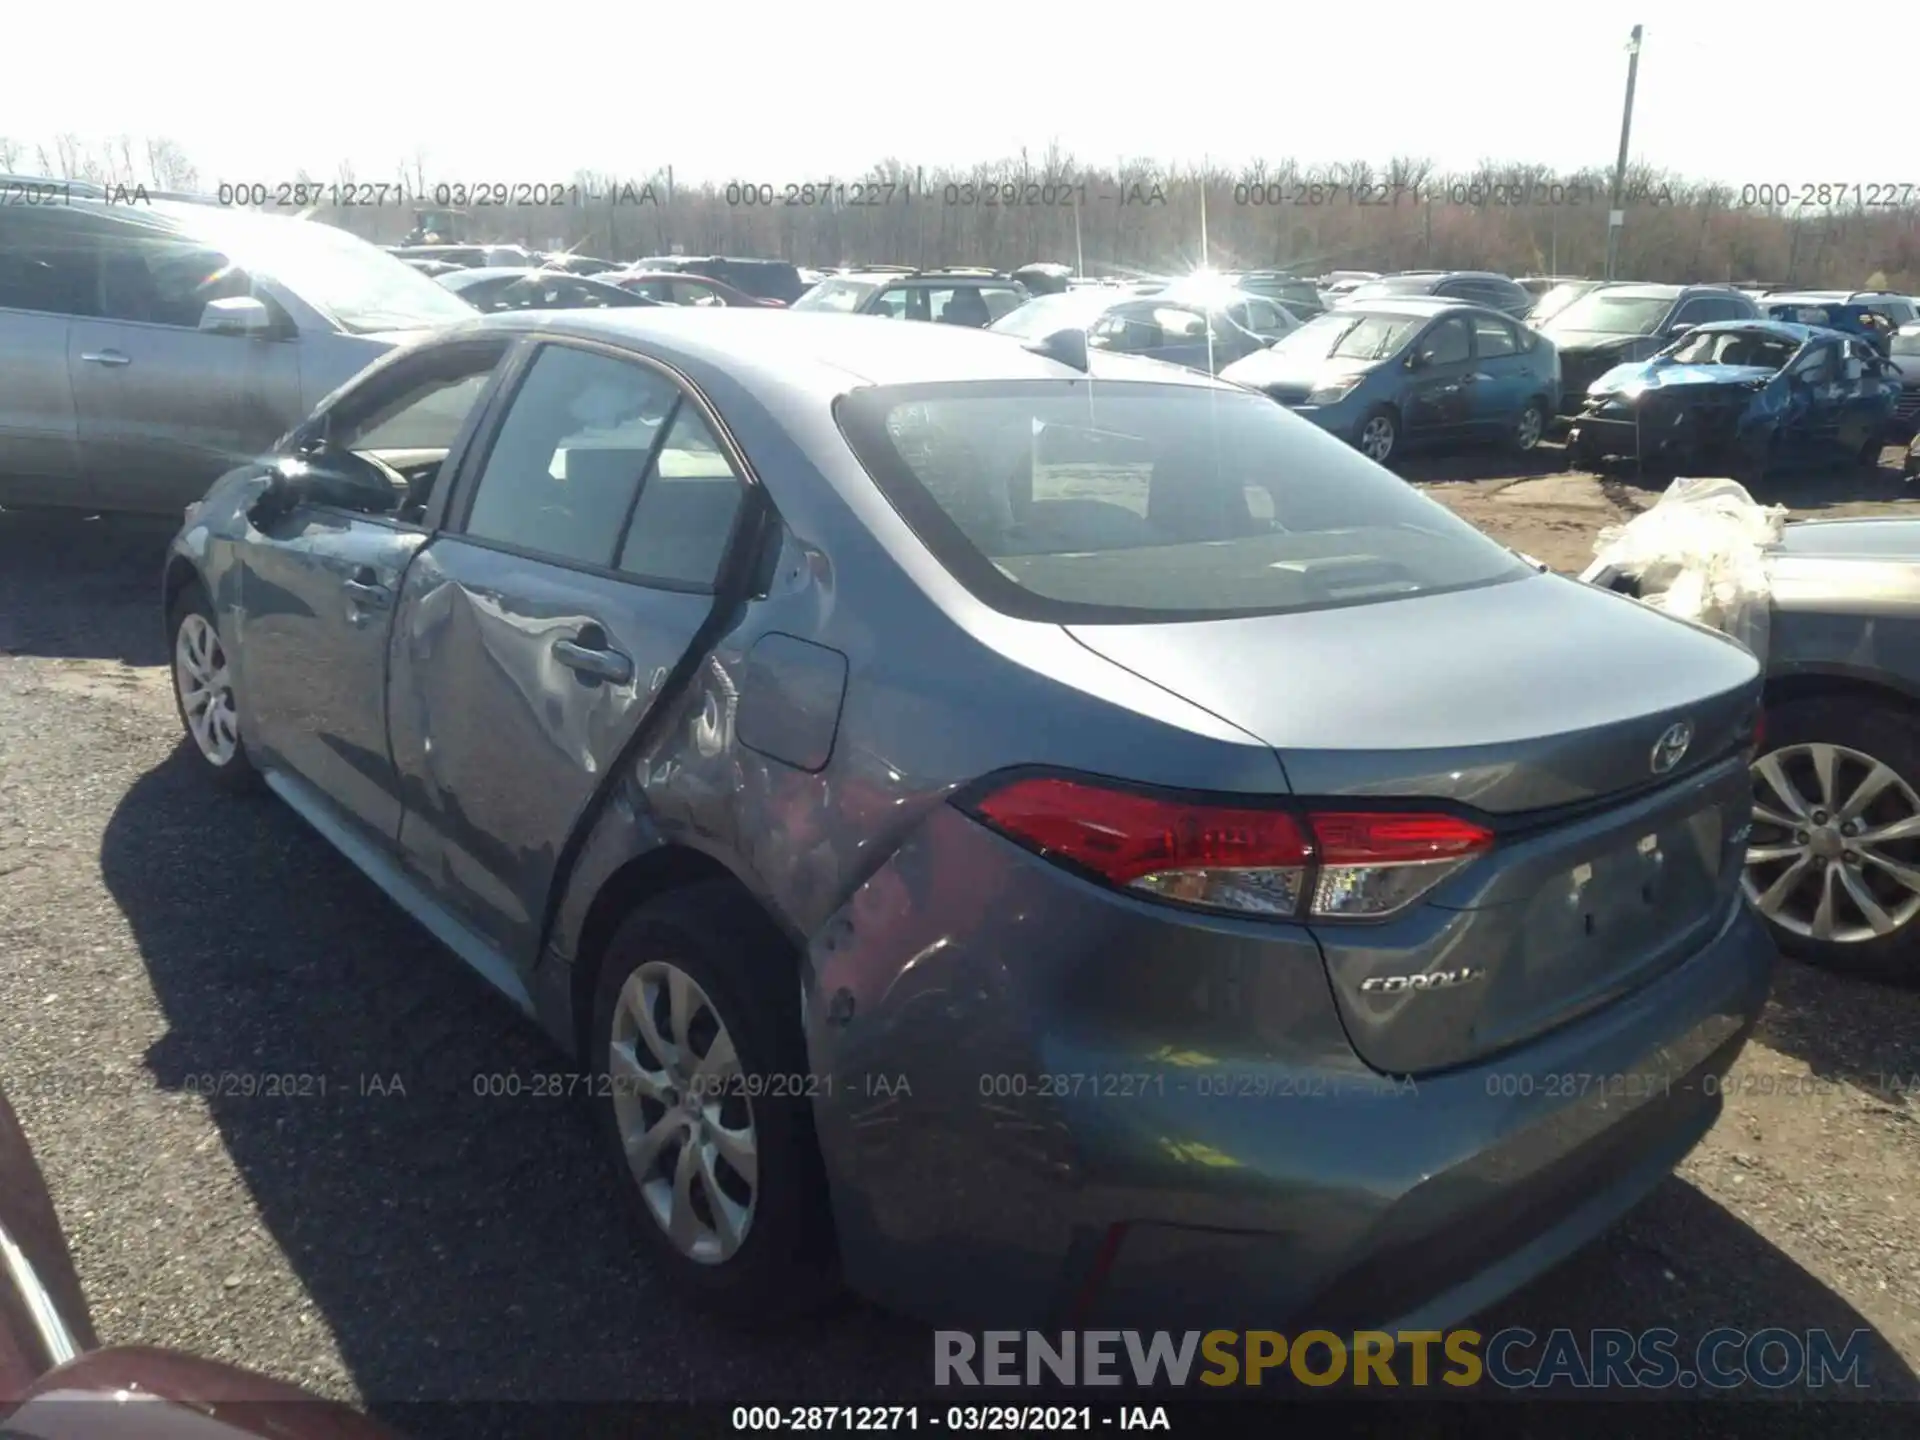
(1671, 748)
(1433, 980)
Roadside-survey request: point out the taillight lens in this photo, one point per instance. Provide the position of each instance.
(1332, 865)
(1758, 744)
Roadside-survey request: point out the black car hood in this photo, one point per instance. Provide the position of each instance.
(1591, 342)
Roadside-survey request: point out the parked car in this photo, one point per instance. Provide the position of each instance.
(468, 256)
(434, 269)
(147, 348)
(56, 1380)
(1871, 314)
(968, 297)
(669, 287)
(1045, 277)
(1384, 375)
(1204, 327)
(1904, 352)
(1834, 861)
(1300, 297)
(1556, 299)
(1747, 394)
(769, 695)
(490, 289)
(1618, 323)
(1464, 287)
(576, 264)
(762, 279)
(1539, 286)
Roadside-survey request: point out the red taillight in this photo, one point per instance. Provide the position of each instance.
(1759, 741)
(1255, 860)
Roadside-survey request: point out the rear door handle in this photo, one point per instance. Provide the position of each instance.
(603, 664)
(106, 357)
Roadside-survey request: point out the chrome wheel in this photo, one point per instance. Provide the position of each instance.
(1527, 433)
(205, 685)
(681, 1103)
(1376, 438)
(1835, 852)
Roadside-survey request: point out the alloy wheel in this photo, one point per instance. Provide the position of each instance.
(682, 1105)
(1527, 433)
(1835, 851)
(1376, 439)
(205, 684)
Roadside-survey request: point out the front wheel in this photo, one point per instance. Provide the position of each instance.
(203, 691)
(1833, 865)
(1379, 436)
(705, 1104)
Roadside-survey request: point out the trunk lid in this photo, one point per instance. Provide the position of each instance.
(1543, 705)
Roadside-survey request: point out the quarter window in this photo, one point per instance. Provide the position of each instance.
(687, 507)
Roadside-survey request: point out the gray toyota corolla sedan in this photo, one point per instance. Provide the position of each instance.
(1019, 833)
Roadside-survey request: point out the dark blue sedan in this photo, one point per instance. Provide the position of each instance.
(1383, 374)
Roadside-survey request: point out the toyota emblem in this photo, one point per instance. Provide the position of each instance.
(1671, 748)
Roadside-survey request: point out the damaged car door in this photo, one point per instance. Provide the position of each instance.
(321, 574)
(572, 580)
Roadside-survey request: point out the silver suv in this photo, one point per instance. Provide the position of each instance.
(148, 346)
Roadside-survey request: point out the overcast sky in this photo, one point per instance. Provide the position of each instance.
(779, 93)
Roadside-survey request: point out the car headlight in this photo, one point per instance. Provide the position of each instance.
(1330, 393)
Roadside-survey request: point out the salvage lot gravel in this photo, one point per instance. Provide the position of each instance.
(378, 1231)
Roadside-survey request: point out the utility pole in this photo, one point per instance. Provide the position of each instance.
(1616, 215)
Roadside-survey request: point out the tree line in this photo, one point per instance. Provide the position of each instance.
(1134, 217)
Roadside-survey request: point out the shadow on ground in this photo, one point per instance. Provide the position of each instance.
(82, 587)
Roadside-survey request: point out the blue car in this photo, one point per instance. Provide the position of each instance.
(1873, 315)
(1386, 374)
(1744, 393)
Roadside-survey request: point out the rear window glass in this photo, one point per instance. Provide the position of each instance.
(1111, 501)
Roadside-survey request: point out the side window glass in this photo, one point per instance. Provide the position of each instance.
(687, 507)
(1492, 338)
(567, 462)
(891, 302)
(165, 282)
(1447, 343)
(423, 417)
(43, 267)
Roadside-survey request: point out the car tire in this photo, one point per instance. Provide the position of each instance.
(203, 694)
(1869, 454)
(709, 951)
(1530, 427)
(1378, 437)
(1860, 734)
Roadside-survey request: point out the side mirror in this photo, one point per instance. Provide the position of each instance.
(243, 315)
(327, 476)
(1418, 360)
(1680, 332)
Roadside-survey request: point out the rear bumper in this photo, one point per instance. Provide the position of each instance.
(1060, 1107)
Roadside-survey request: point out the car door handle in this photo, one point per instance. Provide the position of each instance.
(106, 357)
(364, 592)
(603, 664)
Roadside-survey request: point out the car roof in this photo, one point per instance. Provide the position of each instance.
(1779, 329)
(780, 353)
(491, 272)
(1416, 306)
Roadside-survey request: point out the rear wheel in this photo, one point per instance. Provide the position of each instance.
(1531, 425)
(1834, 861)
(1379, 436)
(704, 1108)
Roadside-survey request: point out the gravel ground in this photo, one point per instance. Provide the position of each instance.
(382, 1233)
